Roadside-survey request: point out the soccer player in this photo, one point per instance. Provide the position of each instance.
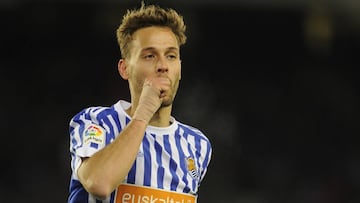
(136, 151)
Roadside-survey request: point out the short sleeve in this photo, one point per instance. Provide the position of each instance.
(87, 136)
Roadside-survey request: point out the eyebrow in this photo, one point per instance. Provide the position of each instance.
(167, 49)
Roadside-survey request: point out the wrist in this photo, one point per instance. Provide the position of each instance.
(140, 121)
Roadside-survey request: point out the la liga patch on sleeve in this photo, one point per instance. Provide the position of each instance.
(94, 136)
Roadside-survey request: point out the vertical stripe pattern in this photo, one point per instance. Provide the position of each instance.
(173, 158)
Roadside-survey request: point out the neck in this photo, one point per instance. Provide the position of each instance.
(160, 118)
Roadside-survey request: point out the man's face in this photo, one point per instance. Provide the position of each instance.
(154, 53)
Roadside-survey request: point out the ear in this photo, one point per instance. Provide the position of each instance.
(122, 68)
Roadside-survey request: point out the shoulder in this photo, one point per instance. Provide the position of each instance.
(193, 131)
(93, 113)
(97, 114)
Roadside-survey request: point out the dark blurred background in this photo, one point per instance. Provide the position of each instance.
(273, 84)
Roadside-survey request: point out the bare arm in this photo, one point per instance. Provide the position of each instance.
(107, 168)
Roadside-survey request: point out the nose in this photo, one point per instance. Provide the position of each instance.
(162, 66)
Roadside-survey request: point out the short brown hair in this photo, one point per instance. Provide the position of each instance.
(146, 16)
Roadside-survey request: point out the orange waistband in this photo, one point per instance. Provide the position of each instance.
(127, 193)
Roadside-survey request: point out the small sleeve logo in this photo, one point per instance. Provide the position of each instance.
(94, 135)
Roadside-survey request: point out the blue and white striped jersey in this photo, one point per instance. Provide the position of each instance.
(173, 158)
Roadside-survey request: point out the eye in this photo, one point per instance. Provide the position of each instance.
(149, 56)
(171, 56)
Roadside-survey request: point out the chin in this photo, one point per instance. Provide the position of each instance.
(167, 101)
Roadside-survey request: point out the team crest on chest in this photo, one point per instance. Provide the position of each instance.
(191, 167)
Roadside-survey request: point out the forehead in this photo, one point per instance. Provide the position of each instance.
(155, 37)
